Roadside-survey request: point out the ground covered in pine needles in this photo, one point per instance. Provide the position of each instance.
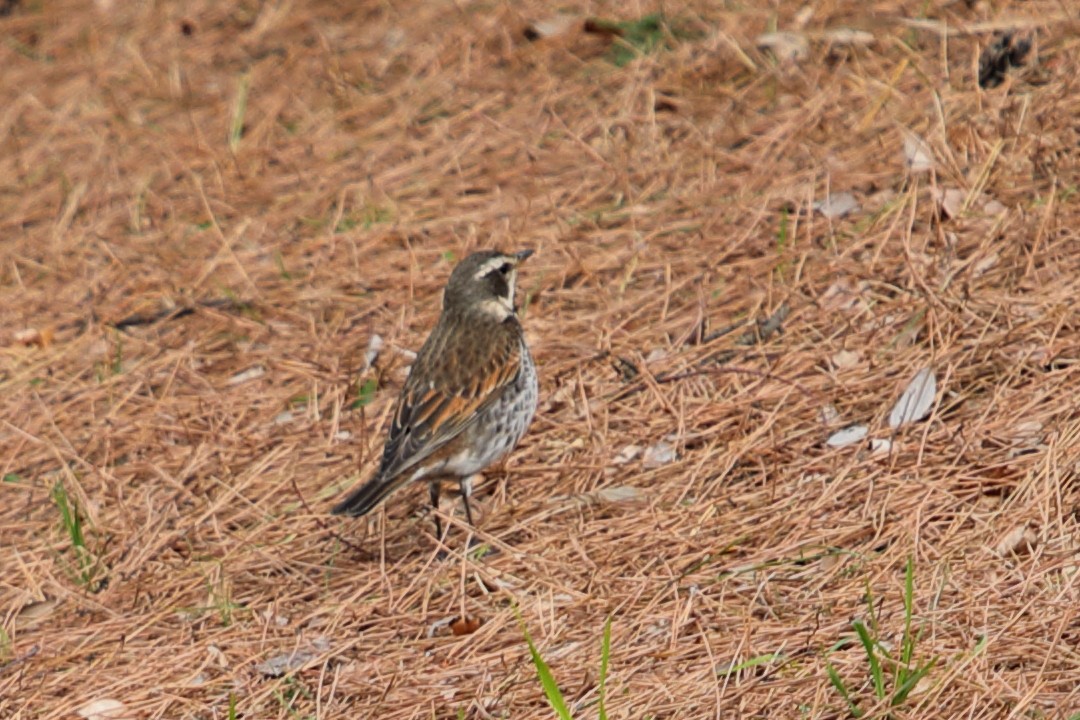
(754, 228)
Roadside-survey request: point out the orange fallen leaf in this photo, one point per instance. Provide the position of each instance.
(41, 337)
(465, 625)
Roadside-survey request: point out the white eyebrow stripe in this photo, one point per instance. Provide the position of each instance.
(493, 264)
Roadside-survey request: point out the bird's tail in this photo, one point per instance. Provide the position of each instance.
(365, 498)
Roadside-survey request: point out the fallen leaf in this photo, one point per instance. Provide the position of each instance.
(880, 446)
(1027, 434)
(1020, 540)
(251, 373)
(39, 337)
(828, 414)
(283, 663)
(993, 207)
(465, 625)
(837, 206)
(847, 37)
(847, 436)
(659, 454)
(436, 627)
(550, 27)
(787, 47)
(621, 493)
(917, 155)
(841, 296)
(616, 494)
(626, 455)
(104, 709)
(950, 202)
(656, 354)
(982, 266)
(33, 611)
(845, 359)
(917, 399)
(217, 655)
(371, 354)
(564, 395)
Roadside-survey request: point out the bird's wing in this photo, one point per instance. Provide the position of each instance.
(447, 387)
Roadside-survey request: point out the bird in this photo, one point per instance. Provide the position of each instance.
(470, 394)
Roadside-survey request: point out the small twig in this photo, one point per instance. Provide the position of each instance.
(176, 313)
(4, 667)
(762, 331)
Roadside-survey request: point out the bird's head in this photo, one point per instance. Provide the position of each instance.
(484, 283)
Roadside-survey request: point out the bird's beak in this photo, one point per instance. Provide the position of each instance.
(522, 255)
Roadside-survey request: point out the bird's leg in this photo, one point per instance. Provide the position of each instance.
(466, 491)
(433, 490)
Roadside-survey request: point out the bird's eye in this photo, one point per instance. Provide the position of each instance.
(506, 268)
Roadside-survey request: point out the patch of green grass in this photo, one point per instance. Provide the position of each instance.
(232, 715)
(910, 328)
(236, 125)
(891, 678)
(291, 691)
(118, 355)
(551, 687)
(735, 668)
(375, 214)
(280, 262)
(346, 224)
(12, 478)
(222, 602)
(782, 231)
(635, 38)
(478, 552)
(365, 393)
(71, 521)
(102, 370)
(368, 216)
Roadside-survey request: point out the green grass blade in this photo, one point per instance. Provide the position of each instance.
(72, 522)
(750, 662)
(605, 655)
(547, 680)
(908, 642)
(871, 655)
(902, 692)
(68, 515)
(838, 683)
(236, 127)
